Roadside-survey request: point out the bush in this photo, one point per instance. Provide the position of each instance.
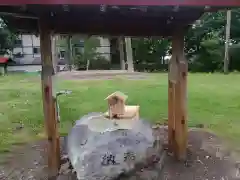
(209, 58)
(100, 63)
(234, 59)
(150, 67)
(97, 63)
(80, 62)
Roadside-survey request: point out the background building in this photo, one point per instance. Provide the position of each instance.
(27, 49)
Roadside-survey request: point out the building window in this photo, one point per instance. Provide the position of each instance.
(78, 50)
(18, 43)
(61, 54)
(36, 50)
(62, 37)
(18, 55)
(81, 43)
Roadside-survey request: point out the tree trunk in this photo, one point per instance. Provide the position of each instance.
(129, 54)
(226, 56)
(69, 52)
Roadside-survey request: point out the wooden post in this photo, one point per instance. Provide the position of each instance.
(129, 54)
(177, 97)
(49, 105)
(54, 54)
(69, 52)
(121, 51)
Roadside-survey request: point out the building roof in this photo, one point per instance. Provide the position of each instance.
(118, 95)
(134, 18)
(3, 60)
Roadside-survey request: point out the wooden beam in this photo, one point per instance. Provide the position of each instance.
(49, 103)
(121, 51)
(177, 111)
(125, 3)
(23, 16)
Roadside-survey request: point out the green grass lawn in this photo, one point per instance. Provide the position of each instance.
(213, 100)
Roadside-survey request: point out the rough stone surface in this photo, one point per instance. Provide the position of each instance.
(100, 148)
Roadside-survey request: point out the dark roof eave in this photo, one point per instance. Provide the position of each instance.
(155, 22)
(127, 2)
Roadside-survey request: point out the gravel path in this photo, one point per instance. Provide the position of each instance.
(100, 75)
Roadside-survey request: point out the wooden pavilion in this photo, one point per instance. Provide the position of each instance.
(168, 18)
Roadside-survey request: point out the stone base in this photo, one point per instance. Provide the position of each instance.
(152, 169)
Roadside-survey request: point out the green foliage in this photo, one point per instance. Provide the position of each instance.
(90, 57)
(234, 64)
(89, 53)
(86, 55)
(149, 53)
(235, 26)
(204, 45)
(210, 26)
(204, 42)
(90, 48)
(209, 57)
(7, 38)
(97, 63)
(100, 63)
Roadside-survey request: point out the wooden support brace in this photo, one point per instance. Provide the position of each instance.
(49, 106)
(177, 98)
